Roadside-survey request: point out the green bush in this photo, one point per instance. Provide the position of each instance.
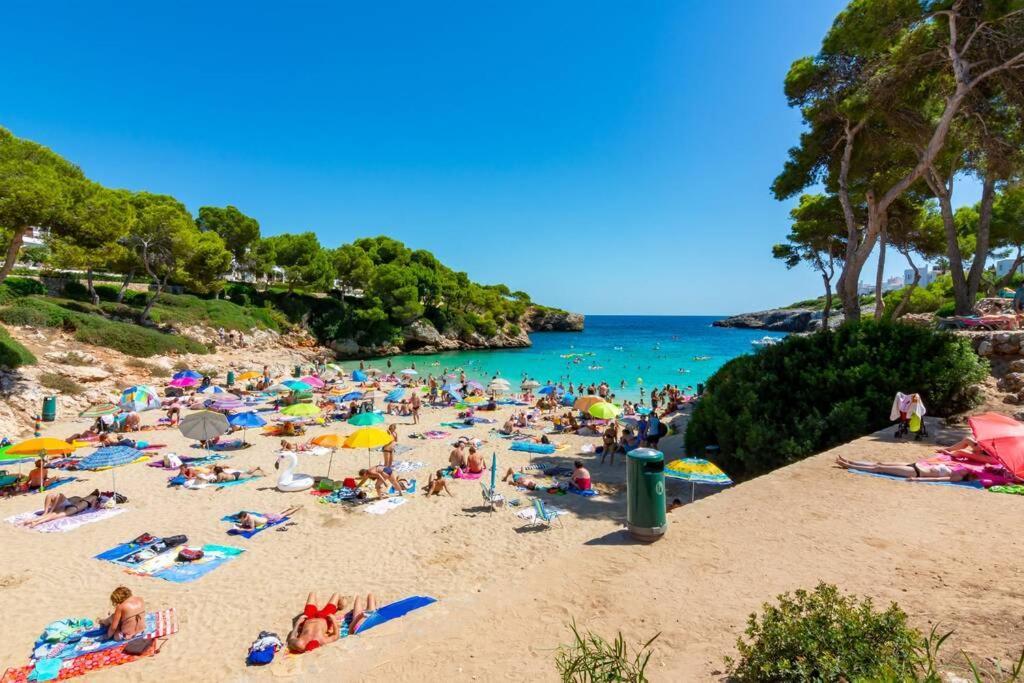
(12, 353)
(73, 289)
(131, 339)
(947, 309)
(591, 658)
(922, 300)
(60, 383)
(23, 286)
(826, 636)
(809, 393)
(185, 309)
(37, 312)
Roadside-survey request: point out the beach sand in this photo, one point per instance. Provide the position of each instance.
(505, 592)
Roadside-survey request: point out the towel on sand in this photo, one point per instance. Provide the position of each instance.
(65, 524)
(385, 506)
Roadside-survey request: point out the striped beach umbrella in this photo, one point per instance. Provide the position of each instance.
(697, 471)
(110, 457)
(395, 396)
(99, 410)
(296, 385)
(139, 398)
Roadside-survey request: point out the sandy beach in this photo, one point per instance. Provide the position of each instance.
(505, 591)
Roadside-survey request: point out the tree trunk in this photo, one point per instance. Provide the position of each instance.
(144, 316)
(880, 275)
(124, 285)
(905, 301)
(13, 249)
(988, 196)
(92, 289)
(827, 312)
(943, 190)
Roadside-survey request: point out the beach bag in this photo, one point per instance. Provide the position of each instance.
(190, 554)
(173, 541)
(140, 647)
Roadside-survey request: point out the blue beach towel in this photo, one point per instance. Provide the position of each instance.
(530, 447)
(891, 477)
(251, 532)
(185, 572)
(386, 613)
(456, 425)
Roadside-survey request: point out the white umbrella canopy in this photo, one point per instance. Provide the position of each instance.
(372, 371)
(530, 384)
(204, 425)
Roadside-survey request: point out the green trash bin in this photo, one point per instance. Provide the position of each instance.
(231, 378)
(49, 408)
(297, 371)
(645, 494)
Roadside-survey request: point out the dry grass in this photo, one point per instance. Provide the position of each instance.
(60, 383)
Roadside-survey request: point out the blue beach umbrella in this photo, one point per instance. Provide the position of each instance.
(451, 387)
(212, 389)
(544, 391)
(568, 400)
(296, 385)
(358, 376)
(456, 395)
(366, 419)
(395, 396)
(352, 396)
(246, 420)
(187, 374)
(112, 457)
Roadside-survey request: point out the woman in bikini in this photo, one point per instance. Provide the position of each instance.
(389, 448)
(129, 617)
(222, 474)
(919, 470)
(436, 484)
(249, 521)
(57, 505)
(520, 479)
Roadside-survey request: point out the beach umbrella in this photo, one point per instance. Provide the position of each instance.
(212, 389)
(395, 396)
(604, 411)
(300, 410)
(296, 385)
(584, 402)
(245, 420)
(475, 400)
(408, 372)
(494, 469)
(451, 386)
(366, 419)
(227, 404)
(568, 400)
(314, 382)
(248, 375)
(139, 398)
(358, 376)
(351, 396)
(183, 382)
(278, 389)
(368, 437)
(332, 441)
(372, 371)
(697, 471)
(99, 410)
(530, 384)
(1002, 438)
(39, 446)
(110, 457)
(204, 425)
(455, 394)
(190, 374)
(544, 391)
(335, 367)
(474, 385)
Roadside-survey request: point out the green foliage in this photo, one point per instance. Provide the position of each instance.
(812, 392)
(922, 300)
(12, 353)
(60, 383)
(826, 636)
(37, 312)
(185, 309)
(947, 309)
(592, 659)
(237, 230)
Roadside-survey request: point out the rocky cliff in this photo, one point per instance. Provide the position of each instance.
(779, 320)
(421, 337)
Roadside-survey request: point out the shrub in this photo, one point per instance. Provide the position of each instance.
(592, 658)
(922, 300)
(153, 369)
(812, 392)
(64, 385)
(73, 289)
(826, 636)
(945, 310)
(23, 286)
(133, 340)
(12, 353)
(36, 312)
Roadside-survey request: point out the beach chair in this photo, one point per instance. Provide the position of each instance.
(492, 499)
(544, 516)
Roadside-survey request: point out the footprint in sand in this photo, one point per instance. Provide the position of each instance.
(11, 580)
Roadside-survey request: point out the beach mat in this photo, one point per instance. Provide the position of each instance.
(49, 487)
(66, 524)
(456, 425)
(250, 532)
(164, 565)
(382, 507)
(203, 460)
(395, 610)
(220, 485)
(530, 447)
(891, 477)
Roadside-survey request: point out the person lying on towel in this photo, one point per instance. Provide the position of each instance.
(320, 626)
(57, 505)
(250, 521)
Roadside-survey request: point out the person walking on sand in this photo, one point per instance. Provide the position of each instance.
(389, 448)
(415, 404)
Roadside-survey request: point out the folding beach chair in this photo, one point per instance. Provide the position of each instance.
(543, 515)
(492, 498)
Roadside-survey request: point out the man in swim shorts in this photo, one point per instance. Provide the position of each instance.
(520, 479)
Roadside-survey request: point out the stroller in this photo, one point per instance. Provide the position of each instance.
(908, 411)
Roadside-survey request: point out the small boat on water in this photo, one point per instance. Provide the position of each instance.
(702, 358)
(766, 341)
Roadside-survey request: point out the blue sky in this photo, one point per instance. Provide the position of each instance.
(606, 157)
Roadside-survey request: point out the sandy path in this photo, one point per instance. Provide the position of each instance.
(505, 593)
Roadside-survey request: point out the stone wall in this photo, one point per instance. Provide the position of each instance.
(989, 344)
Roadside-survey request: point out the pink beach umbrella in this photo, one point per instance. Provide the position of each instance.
(314, 382)
(184, 382)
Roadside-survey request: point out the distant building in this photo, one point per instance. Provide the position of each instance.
(1003, 267)
(928, 275)
(895, 282)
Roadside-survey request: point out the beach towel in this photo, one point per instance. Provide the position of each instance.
(403, 466)
(435, 434)
(382, 507)
(1015, 489)
(586, 493)
(233, 445)
(463, 474)
(342, 495)
(49, 487)
(411, 488)
(456, 425)
(530, 447)
(150, 559)
(250, 532)
(391, 611)
(65, 524)
(891, 477)
(219, 485)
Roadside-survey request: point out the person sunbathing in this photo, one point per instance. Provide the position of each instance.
(457, 459)
(315, 626)
(37, 477)
(249, 521)
(520, 479)
(223, 474)
(193, 472)
(917, 470)
(475, 461)
(437, 483)
(509, 427)
(129, 617)
(580, 476)
(968, 449)
(57, 506)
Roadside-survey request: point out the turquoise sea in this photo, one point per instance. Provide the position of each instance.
(647, 350)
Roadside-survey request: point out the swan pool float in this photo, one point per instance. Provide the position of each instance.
(288, 480)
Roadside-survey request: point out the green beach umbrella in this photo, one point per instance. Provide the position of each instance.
(366, 419)
(300, 410)
(604, 411)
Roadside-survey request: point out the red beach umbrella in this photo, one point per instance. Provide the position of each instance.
(1001, 437)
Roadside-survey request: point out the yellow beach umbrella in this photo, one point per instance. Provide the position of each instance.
(604, 411)
(475, 399)
(367, 437)
(248, 375)
(41, 447)
(300, 410)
